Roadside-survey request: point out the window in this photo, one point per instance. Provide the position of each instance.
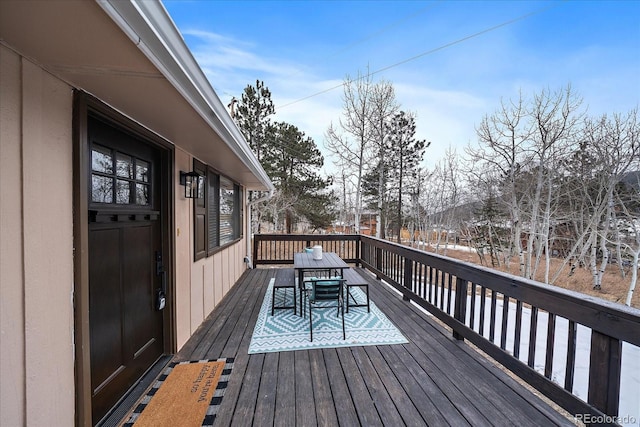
(227, 205)
(118, 178)
(213, 210)
(218, 212)
(200, 213)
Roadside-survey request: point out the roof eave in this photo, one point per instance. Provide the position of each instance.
(150, 27)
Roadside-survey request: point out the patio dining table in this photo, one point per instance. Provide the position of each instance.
(304, 262)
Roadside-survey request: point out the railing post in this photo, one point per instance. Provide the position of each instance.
(460, 308)
(358, 251)
(604, 373)
(378, 261)
(256, 239)
(407, 277)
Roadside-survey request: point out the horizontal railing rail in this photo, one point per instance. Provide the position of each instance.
(514, 320)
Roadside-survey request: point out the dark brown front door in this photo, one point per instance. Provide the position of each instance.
(126, 278)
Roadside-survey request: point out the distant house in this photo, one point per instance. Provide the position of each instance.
(105, 263)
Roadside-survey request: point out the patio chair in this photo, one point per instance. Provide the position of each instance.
(324, 290)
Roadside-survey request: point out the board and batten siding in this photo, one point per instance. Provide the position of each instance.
(36, 248)
(200, 285)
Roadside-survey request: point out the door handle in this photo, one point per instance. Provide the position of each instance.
(161, 297)
(161, 294)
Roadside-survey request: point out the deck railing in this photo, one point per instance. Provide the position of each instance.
(513, 320)
(279, 248)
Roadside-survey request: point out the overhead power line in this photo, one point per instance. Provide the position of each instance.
(373, 35)
(437, 49)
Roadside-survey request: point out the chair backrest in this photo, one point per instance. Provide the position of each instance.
(326, 290)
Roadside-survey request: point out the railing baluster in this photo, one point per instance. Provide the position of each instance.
(505, 321)
(483, 297)
(419, 277)
(492, 320)
(434, 282)
(518, 330)
(551, 334)
(385, 264)
(393, 271)
(533, 333)
(442, 286)
(472, 317)
(430, 299)
(571, 356)
(396, 270)
(450, 285)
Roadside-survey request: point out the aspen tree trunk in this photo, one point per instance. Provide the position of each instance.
(634, 276)
(593, 262)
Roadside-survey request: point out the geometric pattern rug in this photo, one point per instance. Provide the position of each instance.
(286, 331)
(191, 397)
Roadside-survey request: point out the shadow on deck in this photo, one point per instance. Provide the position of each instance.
(432, 380)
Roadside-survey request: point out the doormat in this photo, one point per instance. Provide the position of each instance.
(186, 394)
(286, 331)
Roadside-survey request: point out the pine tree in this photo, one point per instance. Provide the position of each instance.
(406, 153)
(293, 161)
(252, 116)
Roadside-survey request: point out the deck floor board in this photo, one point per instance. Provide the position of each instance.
(432, 380)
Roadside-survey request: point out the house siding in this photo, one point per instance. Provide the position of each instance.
(12, 388)
(202, 284)
(36, 306)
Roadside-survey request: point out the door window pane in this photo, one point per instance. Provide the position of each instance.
(101, 189)
(142, 171)
(122, 191)
(101, 159)
(142, 194)
(124, 166)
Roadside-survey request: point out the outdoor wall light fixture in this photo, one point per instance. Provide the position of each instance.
(191, 182)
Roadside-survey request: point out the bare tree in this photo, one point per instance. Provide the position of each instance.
(615, 143)
(503, 139)
(554, 117)
(358, 141)
(384, 106)
(446, 199)
(527, 141)
(352, 140)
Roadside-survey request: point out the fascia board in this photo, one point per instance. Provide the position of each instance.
(150, 27)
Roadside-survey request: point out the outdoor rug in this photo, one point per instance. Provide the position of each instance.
(186, 394)
(285, 331)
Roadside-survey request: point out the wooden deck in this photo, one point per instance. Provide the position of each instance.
(432, 380)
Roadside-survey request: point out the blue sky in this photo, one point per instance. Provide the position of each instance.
(300, 48)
